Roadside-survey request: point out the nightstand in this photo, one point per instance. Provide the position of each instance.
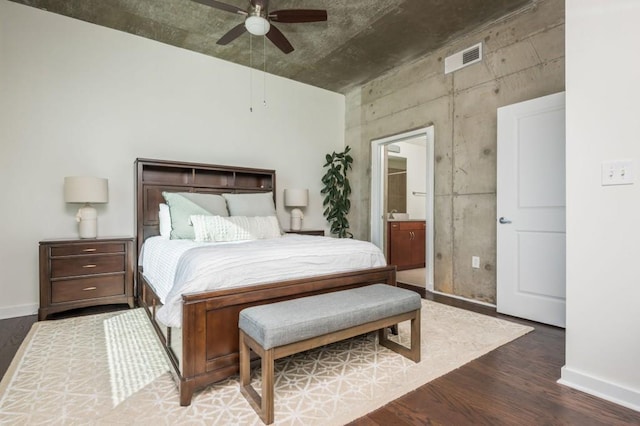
(316, 232)
(80, 273)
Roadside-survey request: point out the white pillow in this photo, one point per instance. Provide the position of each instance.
(234, 228)
(182, 205)
(164, 219)
(255, 204)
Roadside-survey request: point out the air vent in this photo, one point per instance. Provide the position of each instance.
(463, 58)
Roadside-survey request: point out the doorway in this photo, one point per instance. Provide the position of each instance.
(379, 199)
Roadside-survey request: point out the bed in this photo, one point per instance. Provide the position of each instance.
(203, 348)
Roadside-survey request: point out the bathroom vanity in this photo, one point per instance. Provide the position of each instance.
(406, 241)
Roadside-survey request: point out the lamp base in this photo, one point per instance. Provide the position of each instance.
(296, 223)
(87, 218)
(296, 219)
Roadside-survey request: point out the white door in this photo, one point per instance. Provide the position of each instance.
(531, 210)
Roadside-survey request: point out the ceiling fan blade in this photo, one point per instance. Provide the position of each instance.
(298, 15)
(222, 6)
(277, 38)
(232, 34)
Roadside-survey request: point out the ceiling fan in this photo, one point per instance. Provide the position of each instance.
(258, 21)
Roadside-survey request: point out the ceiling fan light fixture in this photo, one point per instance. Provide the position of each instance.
(257, 25)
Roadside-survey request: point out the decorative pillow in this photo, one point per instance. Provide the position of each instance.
(258, 204)
(234, 228)
(213, 203)
(184, 204)
(263, 227)
(164, 219)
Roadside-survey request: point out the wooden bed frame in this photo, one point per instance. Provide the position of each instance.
(209, 335)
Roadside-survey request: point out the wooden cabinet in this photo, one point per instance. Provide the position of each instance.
(79, 273)
(406, 244)
(316, 232)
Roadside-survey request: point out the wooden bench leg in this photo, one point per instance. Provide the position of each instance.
(415, 337)
(263, 406)
(245, 362)
(412, 353)
(267, 414)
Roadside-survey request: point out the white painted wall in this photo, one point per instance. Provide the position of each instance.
(77, 99)
(603, 223)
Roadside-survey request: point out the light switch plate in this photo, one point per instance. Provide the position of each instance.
(475, 262)
(618, 172)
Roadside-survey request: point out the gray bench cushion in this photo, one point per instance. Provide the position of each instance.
(290, 321)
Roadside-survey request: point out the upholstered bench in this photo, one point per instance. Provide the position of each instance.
(284, 328)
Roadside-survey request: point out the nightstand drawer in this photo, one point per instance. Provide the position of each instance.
(86, 265)
(87, 288)
(88, 248)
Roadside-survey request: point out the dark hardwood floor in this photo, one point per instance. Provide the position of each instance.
(12, 333)
(512, 385)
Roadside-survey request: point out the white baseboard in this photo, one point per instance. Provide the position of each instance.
(613, 392)
(18, 311)
(477, 302)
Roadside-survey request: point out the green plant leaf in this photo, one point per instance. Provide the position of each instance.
(336, 190)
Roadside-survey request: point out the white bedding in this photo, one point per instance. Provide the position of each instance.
(177, 267)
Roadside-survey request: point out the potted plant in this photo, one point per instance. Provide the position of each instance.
(336, 190)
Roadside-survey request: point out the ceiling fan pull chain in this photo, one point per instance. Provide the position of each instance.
(250, 73)
(264, 71)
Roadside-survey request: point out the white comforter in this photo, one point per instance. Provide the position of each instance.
(207, 266)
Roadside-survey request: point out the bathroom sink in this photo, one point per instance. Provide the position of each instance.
(397, 217)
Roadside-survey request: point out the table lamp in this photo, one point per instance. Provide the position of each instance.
(87, 190)
(296, 198)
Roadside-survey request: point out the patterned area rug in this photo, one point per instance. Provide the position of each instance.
(110, 369)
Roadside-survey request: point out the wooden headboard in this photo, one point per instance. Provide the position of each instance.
(155, 176)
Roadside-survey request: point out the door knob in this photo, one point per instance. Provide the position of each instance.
(504, 221)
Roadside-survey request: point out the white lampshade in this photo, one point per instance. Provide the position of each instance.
(86, 189)
(257, 25)
(296, 197)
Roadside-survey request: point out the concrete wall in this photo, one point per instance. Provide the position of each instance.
(603, 227)
(523, 59)
(76, 99)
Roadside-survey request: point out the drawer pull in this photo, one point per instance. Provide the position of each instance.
(89, 288)
(89, 249)
(91, 265)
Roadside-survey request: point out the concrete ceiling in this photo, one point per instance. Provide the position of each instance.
(361, 39)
